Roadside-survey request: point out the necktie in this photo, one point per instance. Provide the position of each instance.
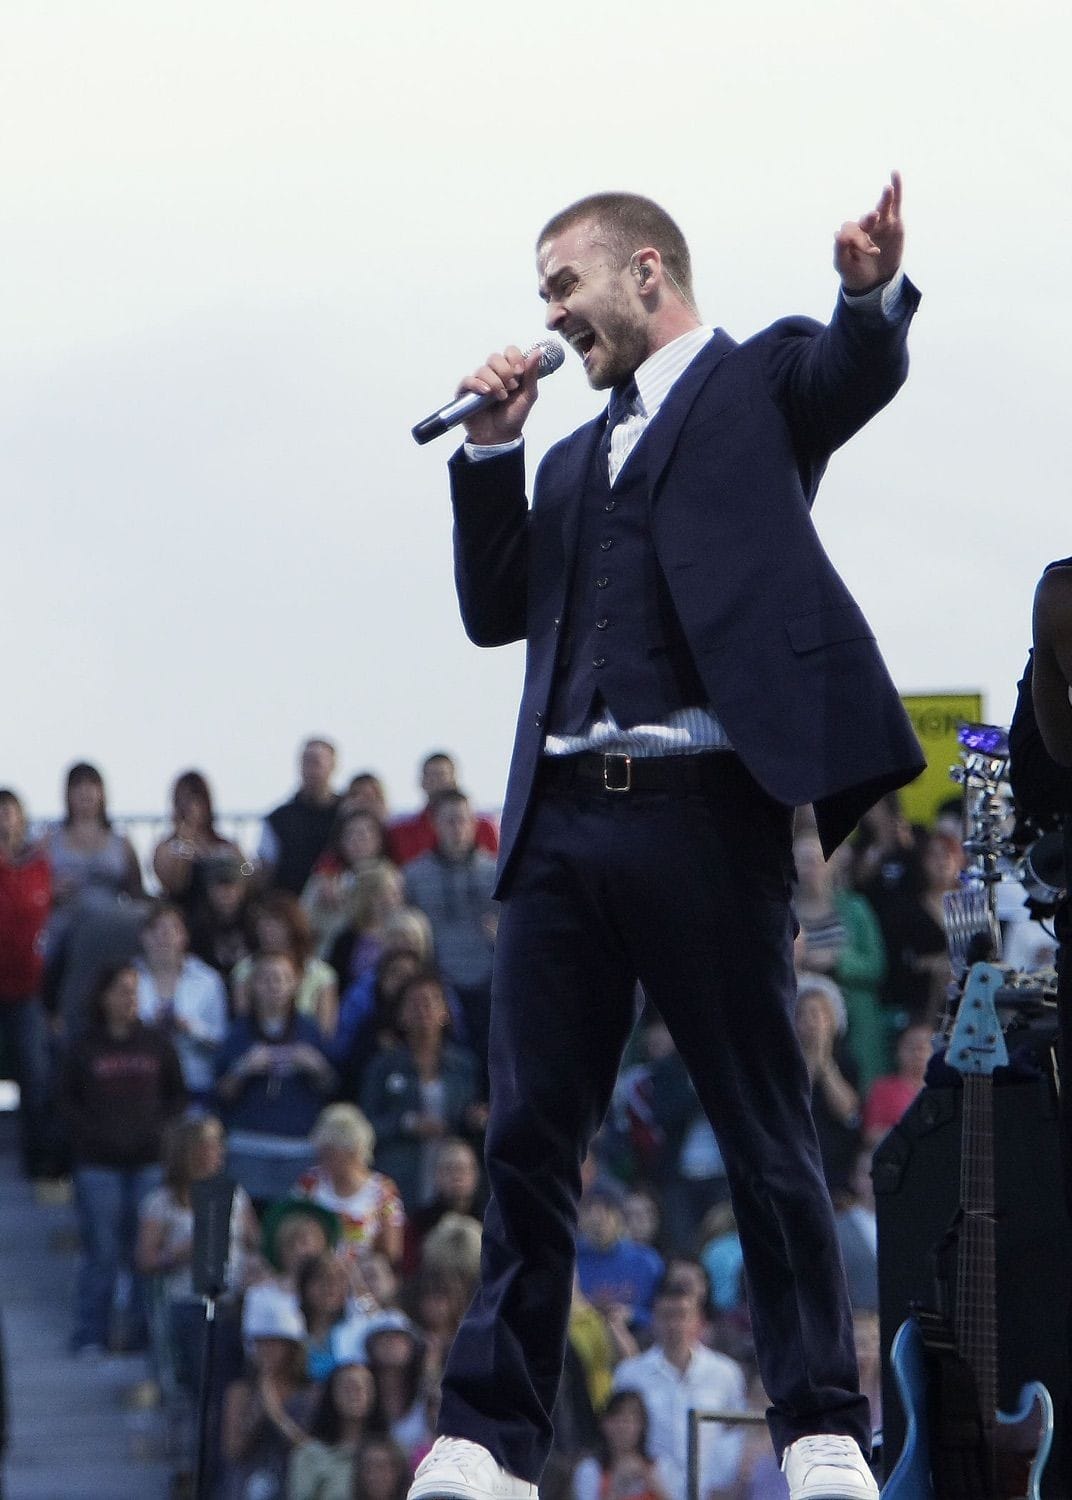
(624, 403)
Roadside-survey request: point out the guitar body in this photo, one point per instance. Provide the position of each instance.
(911, 1476)
(1021, 1440)
(958, 1446)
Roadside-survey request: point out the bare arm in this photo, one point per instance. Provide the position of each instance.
(389, 1242)
(241, 1410)
(327, 1008)
(173, 864)
(149, 1254)
(133, 882)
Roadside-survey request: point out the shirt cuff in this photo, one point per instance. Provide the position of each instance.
(477, 452)
(886, 300)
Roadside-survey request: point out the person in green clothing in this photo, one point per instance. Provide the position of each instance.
(842, 941)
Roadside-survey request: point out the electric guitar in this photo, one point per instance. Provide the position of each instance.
(958, 1446)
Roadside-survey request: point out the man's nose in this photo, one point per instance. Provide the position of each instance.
(556, 311)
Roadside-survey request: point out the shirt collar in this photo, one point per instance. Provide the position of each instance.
(660, 370)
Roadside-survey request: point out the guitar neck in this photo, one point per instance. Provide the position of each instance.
(975, 1322)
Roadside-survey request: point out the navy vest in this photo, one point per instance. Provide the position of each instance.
(621, 641)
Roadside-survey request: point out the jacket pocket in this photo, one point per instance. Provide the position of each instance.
(827, 627)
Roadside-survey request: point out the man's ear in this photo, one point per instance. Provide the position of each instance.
(645, 265)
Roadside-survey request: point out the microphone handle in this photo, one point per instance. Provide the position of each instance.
(449, 416)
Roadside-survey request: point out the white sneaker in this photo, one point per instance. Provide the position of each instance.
(827, 1467)
(460, 1470)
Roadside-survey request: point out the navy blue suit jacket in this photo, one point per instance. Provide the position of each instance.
(734, 458)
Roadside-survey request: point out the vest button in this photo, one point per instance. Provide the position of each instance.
(602, 624)
(610, 505)
(599, 661)
(602, 581)
(606, 545)
(539, 721)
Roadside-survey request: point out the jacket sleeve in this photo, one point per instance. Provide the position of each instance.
(828, 382)
(491, 546)
(1041, 788)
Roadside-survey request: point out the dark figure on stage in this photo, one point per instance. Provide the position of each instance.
(696, 668)
(1040, 771)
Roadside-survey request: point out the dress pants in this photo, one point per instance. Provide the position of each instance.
(689, 893)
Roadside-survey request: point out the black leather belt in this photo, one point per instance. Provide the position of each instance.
(590, 771)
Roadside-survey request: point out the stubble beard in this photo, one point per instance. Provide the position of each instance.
(625, 345)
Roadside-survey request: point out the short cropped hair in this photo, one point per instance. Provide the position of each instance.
(345, 1127)
(625, 222)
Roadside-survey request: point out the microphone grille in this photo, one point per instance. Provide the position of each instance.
(551, 356)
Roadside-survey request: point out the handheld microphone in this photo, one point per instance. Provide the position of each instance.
(551, 356)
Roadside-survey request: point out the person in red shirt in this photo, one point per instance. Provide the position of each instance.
(409, 836)
(890, 1096)
(25, 902)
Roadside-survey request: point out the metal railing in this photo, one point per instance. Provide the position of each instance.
(696, 1418)
(145, 831)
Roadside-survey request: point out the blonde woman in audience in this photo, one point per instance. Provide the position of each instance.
(367, 1203)
(194, 1150)
(378, 894)
(331, 891)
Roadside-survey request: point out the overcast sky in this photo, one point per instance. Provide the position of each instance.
(247, 244)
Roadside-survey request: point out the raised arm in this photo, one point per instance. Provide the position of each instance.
(830, 381)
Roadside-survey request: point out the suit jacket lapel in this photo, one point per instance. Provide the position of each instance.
(569, 482)
(663, 431)
(563, 493)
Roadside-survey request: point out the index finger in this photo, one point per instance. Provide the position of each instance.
(897, 184)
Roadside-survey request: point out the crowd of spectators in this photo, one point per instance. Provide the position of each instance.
(314, 1015)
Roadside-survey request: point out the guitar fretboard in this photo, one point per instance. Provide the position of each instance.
(976, 1318)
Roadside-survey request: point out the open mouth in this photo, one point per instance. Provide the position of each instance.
(582, 343)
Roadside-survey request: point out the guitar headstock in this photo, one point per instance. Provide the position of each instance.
(977, 1043)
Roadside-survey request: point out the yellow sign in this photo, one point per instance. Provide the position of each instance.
(936, 717)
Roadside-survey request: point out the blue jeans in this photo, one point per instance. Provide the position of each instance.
(107, 1201)
(24, 1037)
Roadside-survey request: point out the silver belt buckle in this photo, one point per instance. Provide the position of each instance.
(622, 783)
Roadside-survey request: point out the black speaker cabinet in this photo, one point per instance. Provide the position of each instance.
(916, 1175)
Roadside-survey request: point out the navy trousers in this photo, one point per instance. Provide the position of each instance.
(689, 894)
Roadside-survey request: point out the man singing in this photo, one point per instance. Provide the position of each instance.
(696, 669)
